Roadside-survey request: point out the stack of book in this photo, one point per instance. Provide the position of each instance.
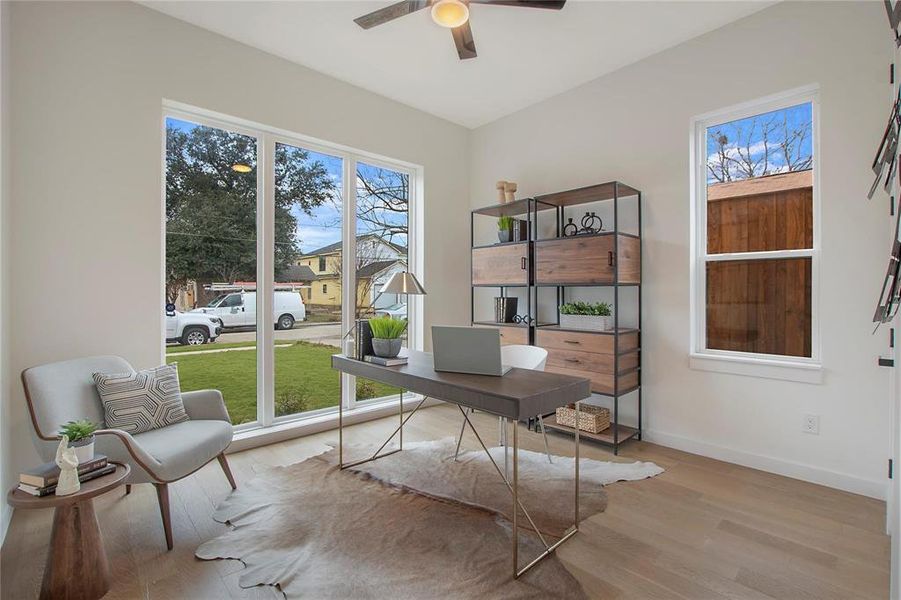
(42, 480)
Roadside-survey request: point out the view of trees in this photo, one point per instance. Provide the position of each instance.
(776, 142)
(211, 209)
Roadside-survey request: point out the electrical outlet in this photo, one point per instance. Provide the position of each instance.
(811, 424)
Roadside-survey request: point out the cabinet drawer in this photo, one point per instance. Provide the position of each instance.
(501, 265)
(574, 260)
(601, 343)
(601, 383)
(590, 361)
(512, 335)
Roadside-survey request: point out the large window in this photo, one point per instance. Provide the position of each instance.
(755, 232)
(262, 236)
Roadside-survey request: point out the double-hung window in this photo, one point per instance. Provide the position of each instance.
(755, 238)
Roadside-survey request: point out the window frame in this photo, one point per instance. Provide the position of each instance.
(266, 139)
(805, 369)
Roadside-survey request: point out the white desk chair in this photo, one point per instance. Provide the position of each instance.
(521, 357)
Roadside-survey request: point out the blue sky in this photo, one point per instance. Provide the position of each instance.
(323, 226)
(748, 132)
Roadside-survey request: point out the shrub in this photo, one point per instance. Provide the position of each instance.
(291, 401)
(365, 389)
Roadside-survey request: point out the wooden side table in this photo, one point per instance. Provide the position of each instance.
(77, 567)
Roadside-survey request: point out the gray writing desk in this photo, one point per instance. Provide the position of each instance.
(519, 394)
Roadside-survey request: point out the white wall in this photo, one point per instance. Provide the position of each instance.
(6, 466)
(88, 80)
(633, 125)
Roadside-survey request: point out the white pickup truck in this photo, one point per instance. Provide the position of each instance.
(190, 329)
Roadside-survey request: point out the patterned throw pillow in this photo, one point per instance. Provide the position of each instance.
(141, 401)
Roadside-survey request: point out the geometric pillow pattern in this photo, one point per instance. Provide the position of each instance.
(141, 401)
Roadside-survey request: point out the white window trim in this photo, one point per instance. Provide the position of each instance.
(266, 138)
(802, 369)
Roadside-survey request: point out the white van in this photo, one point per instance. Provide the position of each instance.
(239, 309)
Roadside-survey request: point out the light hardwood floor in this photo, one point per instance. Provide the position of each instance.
(703, 530)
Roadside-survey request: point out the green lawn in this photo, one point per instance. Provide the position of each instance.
(304, 378)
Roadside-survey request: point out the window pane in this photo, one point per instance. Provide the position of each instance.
(760, 182)
(760, 306)
(382, 212)
(211, 262)
(307, 255)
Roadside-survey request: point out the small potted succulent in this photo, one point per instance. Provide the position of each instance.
(81, 438)
(583, 315)
(386, 333)
(505, 229)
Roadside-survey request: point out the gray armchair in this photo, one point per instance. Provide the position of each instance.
(63, 391)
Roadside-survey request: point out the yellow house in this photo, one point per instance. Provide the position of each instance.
(376, 261)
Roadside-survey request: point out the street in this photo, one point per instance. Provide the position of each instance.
(320, 333)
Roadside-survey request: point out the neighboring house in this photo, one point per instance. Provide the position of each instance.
(377, 260)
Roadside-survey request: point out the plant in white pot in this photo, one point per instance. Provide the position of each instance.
(81, 438)
(583, 315)
(386, 333)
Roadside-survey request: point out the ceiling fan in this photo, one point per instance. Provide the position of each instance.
(453, 14)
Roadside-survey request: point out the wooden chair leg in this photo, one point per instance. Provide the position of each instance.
(162, 494)
(225, 469)
(127, 489)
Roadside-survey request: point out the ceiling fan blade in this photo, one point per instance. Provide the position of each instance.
(466, 46)
(389, 13)
(549, 4)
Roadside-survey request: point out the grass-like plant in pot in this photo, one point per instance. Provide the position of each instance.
(584, 315)
(505, 229)
(386, 333)
(81, 437)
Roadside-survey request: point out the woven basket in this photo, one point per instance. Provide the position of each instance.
(593, 419)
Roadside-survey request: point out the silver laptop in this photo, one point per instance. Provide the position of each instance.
(473, 350)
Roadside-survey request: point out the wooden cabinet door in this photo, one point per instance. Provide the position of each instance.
(512, 335)
(507, 264)
(576, 260)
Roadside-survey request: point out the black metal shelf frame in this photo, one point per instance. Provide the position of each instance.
(533, 207)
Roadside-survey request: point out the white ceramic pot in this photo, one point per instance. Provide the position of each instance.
(586, 322)
(84, 449)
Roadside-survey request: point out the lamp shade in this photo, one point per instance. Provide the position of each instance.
(403, 282)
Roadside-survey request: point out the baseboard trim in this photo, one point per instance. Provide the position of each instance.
(253, 438)
(834, 479)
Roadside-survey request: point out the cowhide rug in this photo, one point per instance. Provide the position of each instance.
(317, 532)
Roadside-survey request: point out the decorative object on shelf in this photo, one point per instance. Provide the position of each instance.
(363, 337)
(386, 333)
(505, 309)
(81, 437)
(570, 229)
(593, 419)
(509, 191)
(520, 230)
(501, 197)
(591, 223)
(590, 317)
(504, 229)
(68, 469)
(523, 319)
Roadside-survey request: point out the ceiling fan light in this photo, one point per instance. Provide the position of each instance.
(450, 13)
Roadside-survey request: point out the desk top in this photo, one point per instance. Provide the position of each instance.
(520, 394)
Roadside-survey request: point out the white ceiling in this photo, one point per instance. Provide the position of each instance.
(525, 55)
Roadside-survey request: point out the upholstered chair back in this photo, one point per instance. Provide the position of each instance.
(64, 391)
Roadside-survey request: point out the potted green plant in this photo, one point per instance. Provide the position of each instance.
(583, 315)
(81, 438)
(386, 333)
(505, 229)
